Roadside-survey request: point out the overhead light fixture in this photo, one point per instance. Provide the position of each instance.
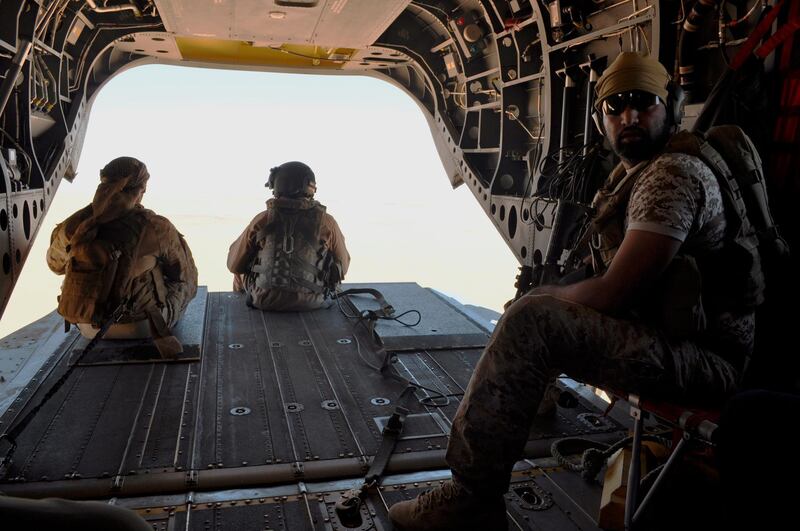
(277, 15)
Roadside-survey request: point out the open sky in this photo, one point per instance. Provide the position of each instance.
(209, 137)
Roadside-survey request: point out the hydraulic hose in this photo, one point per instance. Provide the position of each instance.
(688, 44)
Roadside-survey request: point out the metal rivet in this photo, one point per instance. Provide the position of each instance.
(235, 346)
(294, 407)
(240, 410)
(330, 405)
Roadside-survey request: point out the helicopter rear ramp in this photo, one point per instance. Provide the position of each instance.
(274, 414)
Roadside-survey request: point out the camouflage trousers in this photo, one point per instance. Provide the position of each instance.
(540, 337)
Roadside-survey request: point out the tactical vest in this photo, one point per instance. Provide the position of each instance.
(98, 272)
(291, 256)
(728, 279)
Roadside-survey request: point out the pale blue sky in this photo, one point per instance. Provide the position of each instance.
(209, 138)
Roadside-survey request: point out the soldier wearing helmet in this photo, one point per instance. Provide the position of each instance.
(659, 215)
(293, 255)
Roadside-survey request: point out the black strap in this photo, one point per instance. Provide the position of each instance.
(386, 309)
(11, 434)
(391, 434)
(349, 505)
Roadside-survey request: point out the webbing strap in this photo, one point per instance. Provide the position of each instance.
(347, 508)
(167, 345)
(314, 288)
(391, 434)
(158, 284)
(386, 309)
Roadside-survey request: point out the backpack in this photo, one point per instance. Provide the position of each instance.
(751, 230)
(292, 257)
(99, 271)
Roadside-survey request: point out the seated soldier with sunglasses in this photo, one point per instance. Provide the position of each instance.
(657, 210)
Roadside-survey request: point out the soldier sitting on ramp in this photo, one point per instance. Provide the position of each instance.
(291, 256)
(127, 269)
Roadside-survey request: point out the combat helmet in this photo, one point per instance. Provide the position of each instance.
(291, 179)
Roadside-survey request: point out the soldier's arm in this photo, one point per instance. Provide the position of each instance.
(59, 239)
(672, 198)
(176, 258)
(57, 252)
(243, 249)
(641, 259)
(337, 246)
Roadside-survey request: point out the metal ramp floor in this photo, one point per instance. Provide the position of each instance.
(276, 416)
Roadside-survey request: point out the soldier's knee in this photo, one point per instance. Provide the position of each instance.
(538, 305)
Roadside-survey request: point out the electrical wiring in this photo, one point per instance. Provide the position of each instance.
(569, 170)
(636, 13)
(734, 23)
(644, 37)
(28, 162)
(514, 118)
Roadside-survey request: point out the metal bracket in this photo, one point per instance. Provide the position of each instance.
(298, 469)
(192, 478)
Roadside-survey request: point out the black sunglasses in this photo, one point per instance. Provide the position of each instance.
(636, 99)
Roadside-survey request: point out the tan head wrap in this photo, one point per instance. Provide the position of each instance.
(631, 71)
(121, 182)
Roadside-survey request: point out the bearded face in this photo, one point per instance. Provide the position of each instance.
(636, 125)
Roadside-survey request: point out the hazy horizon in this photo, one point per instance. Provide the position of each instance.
(208, 138)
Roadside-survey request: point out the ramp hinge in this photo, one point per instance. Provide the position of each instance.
(116, 483)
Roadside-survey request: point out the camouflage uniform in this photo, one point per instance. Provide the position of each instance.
(540, 337)
(163, 251)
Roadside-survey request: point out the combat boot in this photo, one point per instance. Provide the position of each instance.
(449, 507)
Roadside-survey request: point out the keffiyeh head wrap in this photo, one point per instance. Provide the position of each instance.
(121, 182)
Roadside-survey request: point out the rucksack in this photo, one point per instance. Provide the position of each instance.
(751, 229)
(99, 271)
(292, 257)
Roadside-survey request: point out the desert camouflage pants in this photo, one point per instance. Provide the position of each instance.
(540, 337)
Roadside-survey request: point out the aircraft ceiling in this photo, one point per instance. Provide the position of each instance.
(339, 23)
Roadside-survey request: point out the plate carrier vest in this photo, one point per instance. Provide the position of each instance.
(728, 279)
(291, 255)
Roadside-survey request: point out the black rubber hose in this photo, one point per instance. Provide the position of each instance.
(688, 44)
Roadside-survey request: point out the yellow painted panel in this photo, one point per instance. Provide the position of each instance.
(244, 53)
